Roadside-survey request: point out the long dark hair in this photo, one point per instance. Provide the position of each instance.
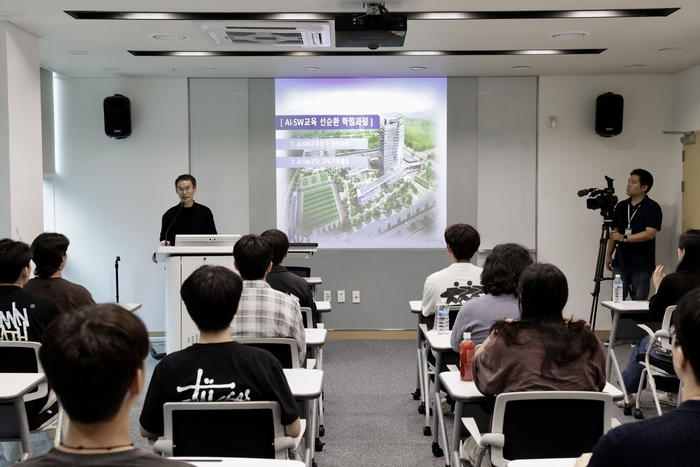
(543, 293)
(689, 242)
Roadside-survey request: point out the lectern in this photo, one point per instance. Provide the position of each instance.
(180, 262)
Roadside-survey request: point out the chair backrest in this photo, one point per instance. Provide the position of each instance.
(283, 348)
(233, 429)
(307, 316)
(666, 325)
(549, 424)
(300, 271)
(23, 357)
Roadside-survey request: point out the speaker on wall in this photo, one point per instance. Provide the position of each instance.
(609, 108)
(117, 109)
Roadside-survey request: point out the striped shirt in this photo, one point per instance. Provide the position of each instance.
(265, 312)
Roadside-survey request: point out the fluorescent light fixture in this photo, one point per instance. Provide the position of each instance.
(360, 53)
(168, 37)
(569, 35)
(79, 52)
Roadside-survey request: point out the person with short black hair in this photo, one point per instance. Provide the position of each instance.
(281, 279)
(460, 280)
(635, 223)
(242, 373)
(264, 311)
(93, 358)
(49, 255)
(24, 316)
(671, 439)
(186, 217)
(499, 278)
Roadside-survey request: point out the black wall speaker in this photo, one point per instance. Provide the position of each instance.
(117, 109)
(609, 108)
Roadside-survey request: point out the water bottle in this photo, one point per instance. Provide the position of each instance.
(617, 289)
(443, 318)
(466, 354)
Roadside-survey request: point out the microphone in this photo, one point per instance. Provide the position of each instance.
(182, 203)
(585, 191)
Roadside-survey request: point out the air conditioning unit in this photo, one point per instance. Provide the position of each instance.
(266, 33)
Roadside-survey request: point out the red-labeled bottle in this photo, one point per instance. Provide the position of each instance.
(466, 354)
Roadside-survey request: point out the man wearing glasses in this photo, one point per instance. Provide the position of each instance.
(186, 217)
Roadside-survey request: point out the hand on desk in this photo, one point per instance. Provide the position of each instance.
(583, 460)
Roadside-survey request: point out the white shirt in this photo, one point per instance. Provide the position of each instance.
(438, 282)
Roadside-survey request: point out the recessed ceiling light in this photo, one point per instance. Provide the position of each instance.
(672, 49)
(204, 68)
(79, 52)
(168, 37)
(312, 68)
(633, 66)
(418, 68)
(110, 68)
(7, 15)
(520, 67)
(569, 35)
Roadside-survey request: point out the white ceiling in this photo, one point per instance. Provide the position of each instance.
(628, 41)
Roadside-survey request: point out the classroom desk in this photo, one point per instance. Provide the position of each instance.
(322, 307)
(440, 343)
(415, 306)
(306, 386)
(465, 392)
(617, 309)
(130, 306)
(562, 462)
(237, 462)
(13, 387)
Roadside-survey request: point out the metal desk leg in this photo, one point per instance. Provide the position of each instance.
(457, 433)
(437, 414)
(611, 342)
(426, 390)
(310, 409)
(419, 341)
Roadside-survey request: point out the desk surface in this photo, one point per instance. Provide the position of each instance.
(628, 306)
(564, 462)
(237, 462)
(438, 342)
(313, 280)
(415, 306)
(323, 307)
(305, 384)
(315, 337)
(14, 385)
(130, 306)
(466, 391)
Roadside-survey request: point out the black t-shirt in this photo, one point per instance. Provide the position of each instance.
(25, 314)
(281, 279)
(226, 371)
(131, 458)
(637, 256)
(196, 219)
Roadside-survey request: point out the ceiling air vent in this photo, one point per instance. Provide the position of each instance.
(267, 33)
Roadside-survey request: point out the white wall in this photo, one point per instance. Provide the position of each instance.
(686, 100)
(111, 194)
(572, 157)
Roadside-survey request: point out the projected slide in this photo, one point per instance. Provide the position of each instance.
(361, 162)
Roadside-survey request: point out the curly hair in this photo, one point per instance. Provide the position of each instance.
(503, 267)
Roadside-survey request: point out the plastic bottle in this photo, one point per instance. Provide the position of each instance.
(617, 289)
(466, 354)
(443, 318)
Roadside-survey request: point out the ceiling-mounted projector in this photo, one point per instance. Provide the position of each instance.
(372, 31)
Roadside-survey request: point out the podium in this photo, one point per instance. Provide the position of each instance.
(180, 262)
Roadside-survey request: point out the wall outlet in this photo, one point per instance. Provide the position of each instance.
(355, 296)
(327, 296)
(341, 296)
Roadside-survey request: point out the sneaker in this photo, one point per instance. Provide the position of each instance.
(632, 398)
(668, 398)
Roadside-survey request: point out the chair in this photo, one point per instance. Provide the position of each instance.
(283, 348)
(655, 367)
(543, 424)
(307, 316)
(233, 429)
(23, 357)
(300, 271)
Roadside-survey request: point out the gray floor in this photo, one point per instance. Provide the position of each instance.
(370, 417)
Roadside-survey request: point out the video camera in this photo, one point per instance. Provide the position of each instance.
(603, 199)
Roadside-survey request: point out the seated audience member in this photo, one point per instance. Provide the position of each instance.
(669, 289)
(541, 351)
(499, 279)
(49, 255)
(264, 311)
(460, 279)
(94, 360)
(281, 279)
(23, 317)
(671, 439)
(242, 373)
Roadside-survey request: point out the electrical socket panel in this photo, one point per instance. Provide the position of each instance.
(341, 296)
(355, 296)
(327, 296)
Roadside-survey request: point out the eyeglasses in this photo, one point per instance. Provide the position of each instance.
(184, 190)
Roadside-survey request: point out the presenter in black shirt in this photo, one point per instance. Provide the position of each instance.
(186, 217)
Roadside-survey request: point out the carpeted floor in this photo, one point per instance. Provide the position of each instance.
(370, 416)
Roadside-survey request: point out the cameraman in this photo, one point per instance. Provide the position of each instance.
(635, 223)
